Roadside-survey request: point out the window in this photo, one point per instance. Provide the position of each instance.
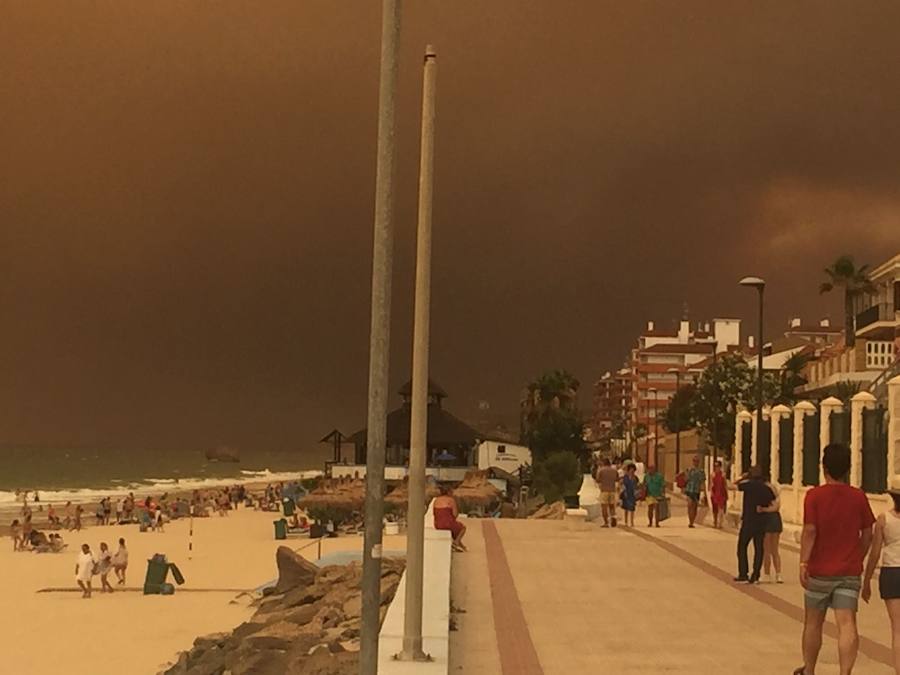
(501, 449)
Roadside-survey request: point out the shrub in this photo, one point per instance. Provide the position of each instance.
(557, 476)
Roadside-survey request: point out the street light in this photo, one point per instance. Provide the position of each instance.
(677, 416)
(655, 393)
(759, 285)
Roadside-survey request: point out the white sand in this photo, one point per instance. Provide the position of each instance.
(128, 633)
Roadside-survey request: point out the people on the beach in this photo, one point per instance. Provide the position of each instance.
(837, 534)
(655, 492)
(446, 514)
(84, 570)
(15, 531)
(107, 510)
(52, 518)
(773, 528)
(886, 549)
(629, 493)
(76, 523)
(694, 487)
(104, 565)
(120, 562)
(70, 516)
(718, 495)
(120, 508)
(608, 479)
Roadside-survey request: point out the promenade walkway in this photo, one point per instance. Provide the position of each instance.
(569, 597)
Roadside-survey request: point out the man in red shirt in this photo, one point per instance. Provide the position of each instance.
(837, 533)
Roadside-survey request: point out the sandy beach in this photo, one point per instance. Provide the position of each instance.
(127, 632)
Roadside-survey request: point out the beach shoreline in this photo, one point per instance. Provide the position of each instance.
(12, 511)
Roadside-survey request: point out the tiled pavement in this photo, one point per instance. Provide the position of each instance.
(595, 600)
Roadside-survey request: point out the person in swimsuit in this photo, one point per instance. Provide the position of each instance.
(446, 513)
(105, 564)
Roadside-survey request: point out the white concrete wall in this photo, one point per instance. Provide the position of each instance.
(435, 611)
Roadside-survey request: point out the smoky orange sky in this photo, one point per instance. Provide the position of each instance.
(187, 189)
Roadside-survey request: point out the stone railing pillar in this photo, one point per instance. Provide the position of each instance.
(828, 406)
(778, 413)
(893, 428)
(861, 401)
(801, 410)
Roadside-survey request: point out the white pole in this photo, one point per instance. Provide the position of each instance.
(415, 534)
(379, 340)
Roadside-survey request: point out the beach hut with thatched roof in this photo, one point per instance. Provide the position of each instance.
(451, 442)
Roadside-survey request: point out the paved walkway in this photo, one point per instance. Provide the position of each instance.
(569, 597)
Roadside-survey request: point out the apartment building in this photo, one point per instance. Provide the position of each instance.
(612, 404)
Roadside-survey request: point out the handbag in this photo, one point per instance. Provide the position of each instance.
(662, 509)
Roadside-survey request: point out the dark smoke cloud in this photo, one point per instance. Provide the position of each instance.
(187, 193)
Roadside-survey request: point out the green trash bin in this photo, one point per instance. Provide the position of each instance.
(280, 528)
(157, 570)
(288, 506)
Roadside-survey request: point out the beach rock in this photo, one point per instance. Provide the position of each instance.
(278, 635)
(302, 596)
(293, 570)
(353, 606)
(209, 662)
(268, 662)
(329, 617)
(213, 640)
(389, 585)
(247, 628)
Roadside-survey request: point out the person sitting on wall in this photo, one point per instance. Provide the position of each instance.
(446, 514)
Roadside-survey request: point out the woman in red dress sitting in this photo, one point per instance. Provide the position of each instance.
(446, 513)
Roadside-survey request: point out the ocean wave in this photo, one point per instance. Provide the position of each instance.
(154, 486)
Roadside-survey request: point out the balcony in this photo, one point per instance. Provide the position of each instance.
(878, 321)
(862, 364)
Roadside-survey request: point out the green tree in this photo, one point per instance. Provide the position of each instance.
(720, 392)
(557, 476)
(792, 377)
(550, 418)
(679, 414)
(845, 390)
(855, 281)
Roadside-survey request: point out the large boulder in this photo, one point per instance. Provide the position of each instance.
(293, 570)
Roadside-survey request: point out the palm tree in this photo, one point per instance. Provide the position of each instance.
(792, 376)
(855, 281)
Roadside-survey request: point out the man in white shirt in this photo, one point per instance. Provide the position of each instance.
(84, 570)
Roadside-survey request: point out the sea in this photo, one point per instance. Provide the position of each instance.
(79, 475)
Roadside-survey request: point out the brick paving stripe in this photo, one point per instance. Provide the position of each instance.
(874, 650)
(517, 653)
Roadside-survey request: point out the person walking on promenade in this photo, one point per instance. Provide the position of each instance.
(773, 529)
(608, 480)
(756, 494)
(886, 547)
(837, 534)
(655, 487)
(694, 486)
(718, 495)
(629, 493)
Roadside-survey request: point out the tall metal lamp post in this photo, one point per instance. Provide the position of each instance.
(677, 415)
(655, 393)
(760, 286)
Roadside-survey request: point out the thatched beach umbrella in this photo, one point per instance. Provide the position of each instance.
(476, 490)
